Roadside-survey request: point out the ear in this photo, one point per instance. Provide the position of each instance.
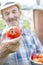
(2, 16)
(20, 12)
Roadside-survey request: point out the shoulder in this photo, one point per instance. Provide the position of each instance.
(28, 32)
(29, 36)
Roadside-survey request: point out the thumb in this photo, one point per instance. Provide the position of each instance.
(4, 36)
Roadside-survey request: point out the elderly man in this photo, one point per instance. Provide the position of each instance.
(28, 45)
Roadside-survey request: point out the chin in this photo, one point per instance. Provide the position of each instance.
(13, 25)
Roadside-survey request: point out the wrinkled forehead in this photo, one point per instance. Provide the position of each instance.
(11, 8)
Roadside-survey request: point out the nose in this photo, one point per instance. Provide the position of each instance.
(11, 15)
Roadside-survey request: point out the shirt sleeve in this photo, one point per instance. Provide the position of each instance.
(39, 46)
(1, 59)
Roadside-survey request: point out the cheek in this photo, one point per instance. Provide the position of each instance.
(5, 18)
(17, 14)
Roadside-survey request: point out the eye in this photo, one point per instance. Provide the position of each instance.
(14, 11)
(6, 13)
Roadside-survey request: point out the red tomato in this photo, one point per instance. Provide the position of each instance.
(39, 56)
(34, 56)
(41, 60)
(13, 32)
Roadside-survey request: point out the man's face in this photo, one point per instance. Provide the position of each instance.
(11, 15)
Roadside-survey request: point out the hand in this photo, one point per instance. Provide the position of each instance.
(10, 46)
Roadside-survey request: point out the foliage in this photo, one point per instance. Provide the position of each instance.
(2, 24)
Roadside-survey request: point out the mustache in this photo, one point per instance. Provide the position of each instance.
(12, 19)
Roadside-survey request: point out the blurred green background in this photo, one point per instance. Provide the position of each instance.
(2, 24)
